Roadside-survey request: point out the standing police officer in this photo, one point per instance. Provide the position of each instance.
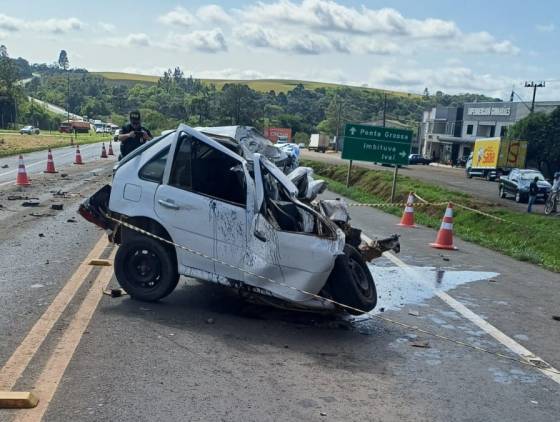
(133, 134)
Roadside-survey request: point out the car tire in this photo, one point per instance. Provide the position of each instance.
(469, 175)
(502, 192)
(518, 197)
(145, 268)
(487, 177)
(351, 282)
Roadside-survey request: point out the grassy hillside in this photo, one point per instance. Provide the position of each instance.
(261, 85)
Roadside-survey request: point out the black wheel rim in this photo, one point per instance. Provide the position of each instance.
(143, 268)
(359, 276)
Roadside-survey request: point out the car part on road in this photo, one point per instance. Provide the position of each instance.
(550, 204)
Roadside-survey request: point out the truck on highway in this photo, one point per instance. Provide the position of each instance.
(318, 142)
(492, 157)
(74, 126)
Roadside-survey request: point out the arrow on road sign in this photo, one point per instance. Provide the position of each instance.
(402, 154)
(352, 130)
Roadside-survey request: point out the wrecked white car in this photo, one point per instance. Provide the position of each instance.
(233, 222)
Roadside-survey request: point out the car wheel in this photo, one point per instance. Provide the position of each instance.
(549, 205)
(469, 175)
(502, 192)
(145, 269)
(351, 282)
(518, 197)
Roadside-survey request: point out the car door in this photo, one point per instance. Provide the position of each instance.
(296, 257)
(184, 213)
(511, 182)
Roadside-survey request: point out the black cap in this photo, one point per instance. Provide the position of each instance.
(134, 116)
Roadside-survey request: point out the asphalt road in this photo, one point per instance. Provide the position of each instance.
(203, 354)
(36, 162)
(451, 178)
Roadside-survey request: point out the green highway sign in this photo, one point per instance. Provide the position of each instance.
(376, 144)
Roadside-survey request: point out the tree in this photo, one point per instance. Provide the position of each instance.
(63, 61)
(542, 131)
(3, 51)
(426, 93)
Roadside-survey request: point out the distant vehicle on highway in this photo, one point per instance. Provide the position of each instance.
(418, 159)
(29, 130)
(493, 157)
(318, 142)
(74, 126)
(517, 183)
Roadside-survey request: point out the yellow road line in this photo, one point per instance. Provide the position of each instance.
(47, 384)
(19, 360)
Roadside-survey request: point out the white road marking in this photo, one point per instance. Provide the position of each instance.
(510, 343)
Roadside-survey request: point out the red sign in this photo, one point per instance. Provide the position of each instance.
(272, 133)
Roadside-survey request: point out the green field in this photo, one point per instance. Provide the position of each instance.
(261, 85)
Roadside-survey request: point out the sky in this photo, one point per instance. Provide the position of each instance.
(488, 46)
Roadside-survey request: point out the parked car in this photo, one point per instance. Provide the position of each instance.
(517, 182)
(418, 159)
(241, 224)
(29, 130)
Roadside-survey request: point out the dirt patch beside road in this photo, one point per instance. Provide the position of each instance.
(14, 143)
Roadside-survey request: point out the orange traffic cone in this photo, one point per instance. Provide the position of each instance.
(103, 151)
(407, 219)
(110, 152)
(78, 159)
(50, 163)
(444, 239)
(22, 179)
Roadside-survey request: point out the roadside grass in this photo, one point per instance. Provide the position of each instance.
(261, 85)
(525, 237)
(12, 143)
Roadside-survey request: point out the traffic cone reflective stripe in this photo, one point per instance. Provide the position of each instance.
(407, 219)
(22, 179)
(444, 239)
(103, 151)
(110, 152)
(50, 163)
(78, 159)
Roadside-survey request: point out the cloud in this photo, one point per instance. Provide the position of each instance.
(550, 27)
(451, 79)
(211, 41)
(178, 17)
(381, 25)
(7, 23)
(57, 26)
(106, 27)
(213, 13)
(131, 40)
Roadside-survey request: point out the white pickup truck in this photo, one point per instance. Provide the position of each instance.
(207, 212)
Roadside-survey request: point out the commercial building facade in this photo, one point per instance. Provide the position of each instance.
(448, 133)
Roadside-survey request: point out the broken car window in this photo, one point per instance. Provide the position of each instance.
(153, 169)
(200, 168)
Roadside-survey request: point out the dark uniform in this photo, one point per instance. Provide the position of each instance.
(130, 144)
(134, 127)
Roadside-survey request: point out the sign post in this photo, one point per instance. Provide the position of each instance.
(377, 144)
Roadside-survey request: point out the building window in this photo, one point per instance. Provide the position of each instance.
(492, 131)
(470, 129)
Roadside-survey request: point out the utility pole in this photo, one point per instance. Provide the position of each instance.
(534, 85)
(384, 107)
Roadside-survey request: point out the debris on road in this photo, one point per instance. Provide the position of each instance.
(5, 166)
(41, 235)
(17, 400)
(101, 262)
(57, 207)
(492, 280)
(36, 214)
(424, 344)
(71, 220)
(210, 321)
(63, 175)
(114, 292)
(556, 317)
(20, 198)
(30, 204)
(414, 313)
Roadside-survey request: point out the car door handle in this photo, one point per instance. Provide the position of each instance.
(168, 204)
